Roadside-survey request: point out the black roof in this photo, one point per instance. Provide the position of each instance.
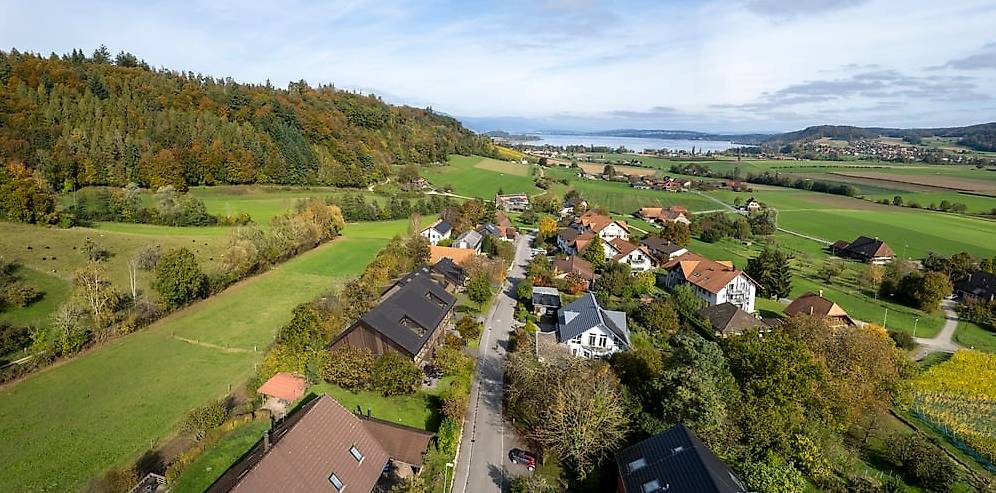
(980, 284)
(869, 247)
(443, 226)
(675, 461)
(416, 298)
(450, 270)
(729, 318)
(663, 245)
(543, 296)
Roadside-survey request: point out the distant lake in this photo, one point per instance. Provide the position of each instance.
(632, 143)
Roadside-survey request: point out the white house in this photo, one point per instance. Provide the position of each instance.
(714, 282)
(638, 257)
(604, 226)
(589, 331)
(438, 231)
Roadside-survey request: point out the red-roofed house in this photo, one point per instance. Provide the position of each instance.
(715, 282)
(287, 387)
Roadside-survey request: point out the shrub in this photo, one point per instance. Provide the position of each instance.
(179, 279)
(13, 338)
(204, 419)
(903, 340)
(452, 361)
(148, 257)
(20, 294)
(349, 367)
(95, 252)
(394, 374)
(456, 398)
(921, 462)
(449, 436)
(469, 328)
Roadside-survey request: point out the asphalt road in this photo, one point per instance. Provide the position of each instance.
(482, 465)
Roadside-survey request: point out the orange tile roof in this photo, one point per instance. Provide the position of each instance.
(457, 255)
(814, 304)
(703, 272)
(597, 222)
(286, 386)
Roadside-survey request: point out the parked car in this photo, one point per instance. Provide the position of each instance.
(524, 457)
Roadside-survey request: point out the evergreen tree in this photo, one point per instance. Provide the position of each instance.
(772, 271)
(595, 253)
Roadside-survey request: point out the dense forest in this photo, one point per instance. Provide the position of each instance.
(79, 120)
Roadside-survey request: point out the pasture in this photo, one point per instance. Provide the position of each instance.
(464, 175)
(104, 408)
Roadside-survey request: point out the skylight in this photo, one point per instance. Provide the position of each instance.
(412, 325)
(356, 453)
(637, 464)
(337, 483)
(651, 486)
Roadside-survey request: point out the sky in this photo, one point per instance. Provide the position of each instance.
(717, 66)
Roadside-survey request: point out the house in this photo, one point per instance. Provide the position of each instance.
(977, 286)
(470, 240)
(728, 319)
(674, 461)
(459, 255)
(506, 230)
(574, 265)
(284, 387)
(572, 204)
(437, 231)
(450, 275)
(324, 448)
(752, 205)
(410, 318)
(816, 305)
(589, 331)
(512, 202)
(604, 226)
(546, 301)
(660, 215)
(572, 242)
(712, 281)
(638, 257)
(865, 249)
(662, 249)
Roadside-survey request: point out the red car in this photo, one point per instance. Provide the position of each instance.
(524, 457)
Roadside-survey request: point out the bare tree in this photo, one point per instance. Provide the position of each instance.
(133, 278)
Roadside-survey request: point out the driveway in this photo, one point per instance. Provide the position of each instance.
(943, 342)
(481, 464)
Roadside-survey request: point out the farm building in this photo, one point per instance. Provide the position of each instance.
(818, 306)
(323, 447)
(410, 319)
(865, 249)
(675, 461)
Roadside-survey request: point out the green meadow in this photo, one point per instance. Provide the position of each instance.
(104, 408)
(475, 176)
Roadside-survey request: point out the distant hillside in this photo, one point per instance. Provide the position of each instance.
(980, 137)
(82, 120)
(682, 135)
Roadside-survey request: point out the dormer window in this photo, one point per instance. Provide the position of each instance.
(355, 452)
(412, 325)
(429, 295)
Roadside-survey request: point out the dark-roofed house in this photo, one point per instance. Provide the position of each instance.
(470, 240)
(674, 461)
(865, 249)
(574, 265)
(816, 305)
(409, 319)
(451, 275)
(325, 448)
(728, 319)
(437, 231)
(545, 300)
(662, 249)
(978, 286)
(590, 331)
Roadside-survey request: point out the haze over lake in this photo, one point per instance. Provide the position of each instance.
(632, 143)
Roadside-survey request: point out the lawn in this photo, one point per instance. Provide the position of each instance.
(972, 336)
(200, 474)
(418, 411)
(74, 420)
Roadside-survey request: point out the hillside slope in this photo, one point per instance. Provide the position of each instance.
(82, 121)
(981, 137)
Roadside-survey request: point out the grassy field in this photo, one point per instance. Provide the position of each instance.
(104, 408)
(200, 474)
(974, 337)
(476, 176)
(418, 411)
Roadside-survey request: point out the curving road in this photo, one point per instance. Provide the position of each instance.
(943, 342)
(481, 463)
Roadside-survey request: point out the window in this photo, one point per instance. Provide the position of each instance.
(412, 325)
(356, 453)
(435, 299)
(637, 464)
(602, 340)
(591, 339)
(651, 486)
(337, 483)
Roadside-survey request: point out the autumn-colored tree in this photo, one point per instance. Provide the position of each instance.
(547, 227)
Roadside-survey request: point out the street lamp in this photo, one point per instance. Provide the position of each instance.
(915, 320)
(449, 465)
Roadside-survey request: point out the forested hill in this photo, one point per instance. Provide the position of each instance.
(980, 137)
(96, 120)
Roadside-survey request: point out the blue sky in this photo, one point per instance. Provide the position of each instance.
(574, 64)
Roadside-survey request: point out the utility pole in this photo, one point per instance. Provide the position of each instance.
(886, 317)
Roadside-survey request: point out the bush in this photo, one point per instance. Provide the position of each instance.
(456, 399)
(448, 436)
(13, 338)
(452, 361)
(204, 419)
(469, 328)
(179, 279)
(95, 252)
(903, 340)
(921, 462)
(148, 257)
(349, 367)
(394, 374)
(20, 294)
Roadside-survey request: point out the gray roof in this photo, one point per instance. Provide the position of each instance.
(980, 284)
(416, 297)
(471, 238)
(491, 229)
(729, 318)
(583, 314)
(544, 296)
(679, 462)
(443, 227)
(450, 270)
